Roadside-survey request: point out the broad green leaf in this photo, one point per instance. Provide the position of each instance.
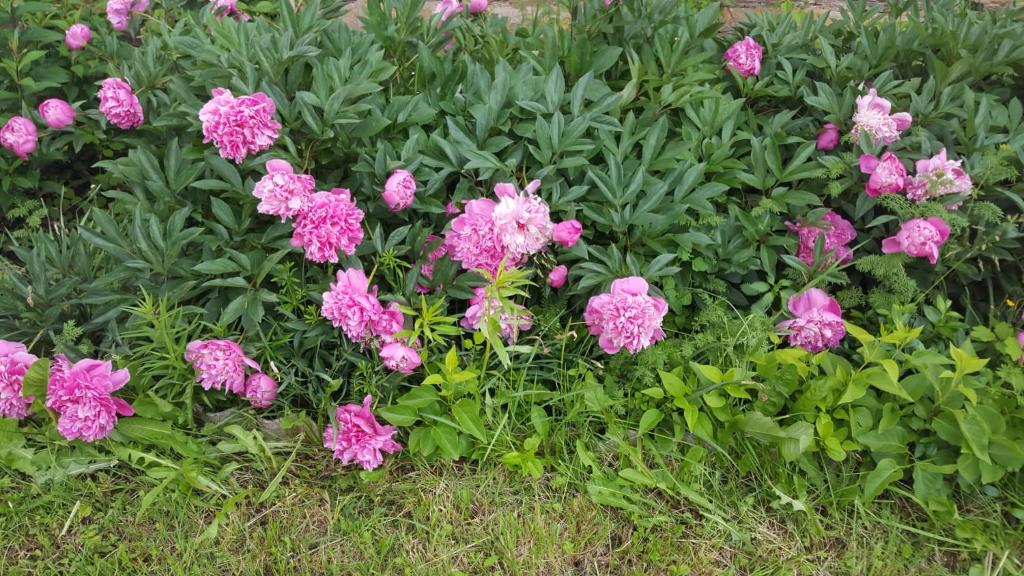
(885, 473)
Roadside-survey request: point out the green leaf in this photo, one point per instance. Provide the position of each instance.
(399, 414)
(710, 373)
(885, 473)
(467, 414)
(217, 266)
(649, 420)
(976, 432)
(36, 379)
(447, 440)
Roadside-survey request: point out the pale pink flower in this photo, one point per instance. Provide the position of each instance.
(557, 276)
(328, 222)
(918, 238)
(938, 176)
(828, 138)
(872, 116)
(427, 269)
(400, 358)
(119, 12)
(399, 190)
(482, 306)
(219, 364)
(477, 6)
(351, 305)
(472, 241)
(239, 126)
(522, 222)
(222, 8)
(626, 317)
(744, 57)
(282, 192)
(77, 36)
(19, 135)
(447, 8)
(567, 233)
(360, 439)
(57, 113)
(260, 390)
(838, 233)
(82, 393)
(817, 321)
(887, 174)
(119, 104)
(15, 361)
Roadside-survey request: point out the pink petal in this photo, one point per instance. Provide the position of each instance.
(868, 163)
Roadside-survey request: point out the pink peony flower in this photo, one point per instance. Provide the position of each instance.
(351, 305)
(57, 113)
(15, 361)
(327, 223)
(744, 57)
(626, 317)
(119, 12)
(557, 276)
(522, 222)
(239, 126)
(19, 135)
(399, 190)
(817, 321)
(838, 233)
(427, 269)
(872, 116)
(918, 238)
(389, 322)
(219, 364)
(222, 8)
(451, 209)
(77, 36)
(481, 307)
(937, 176)
(1020, 342)
(447, 8)
(567, 233)
(828, 138)
(360, 438)
(471, 240)
(260, 390)
(119, 104)
(477, 6)
(282, 192)
(82, 393)
(887, 175)
(400, 358)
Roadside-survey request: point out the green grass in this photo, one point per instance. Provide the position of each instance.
(421, 519)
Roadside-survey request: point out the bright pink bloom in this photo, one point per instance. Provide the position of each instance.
(400, 358)
(399, 190)
(82, 393)
(937, 176)
(119, 12)
(744, 57)
(918, 238)
(260, 390)
(19, 135)
(222, 8)
(522, 221)
(481, 307)
(360, 438)
(828, 138)
(451, 209)
(57, 113)
(447, 8)
(872, 116)
(119, 104)
(557, 276)
(477, 6)
(389, 322)
(567, 233)
(1020, 342)
(282, 192)
(471, 239)
(15, 361)
(427, 269)
(239, 126)
(626, 317)
(77, 36)
(328, 222)
(817, 321)
(219, 364)
(838, 233)
(887, 175)
(351, 305)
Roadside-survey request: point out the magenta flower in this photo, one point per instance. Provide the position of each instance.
(399, 190)
(557, 276)
(828, 138)
(817, 321)
(481, 307)
(471, 240)
(744, 57)
(918, 238)
(360, 439)
(838, 233)
(239, 126)
(119, 104)
(626, 317)
(19, 135)
(872, 116)
(400, 358)
(82, 393)
(282, 192)
(260, 390)
(119, 12)
(567, 233)
(219, 364)
(521, 221)
(477, 6)
(1020, 342)
(15, 361)
(427, 269)
(887, 175)
(222, 8)
(389, 322)
(351, 305)
(447, 8)
(57, 113)
(451, 209)
(329, 222)
(937, 176)
(77, 36)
